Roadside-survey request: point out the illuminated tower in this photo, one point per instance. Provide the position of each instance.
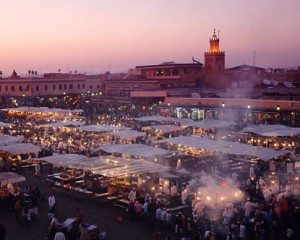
(214, 64)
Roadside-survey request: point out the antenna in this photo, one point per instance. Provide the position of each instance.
(219, 33)
(254, 57)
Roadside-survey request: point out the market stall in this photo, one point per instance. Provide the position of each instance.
(208, 123)
(127, 135)
(101, 128)
(65, 124)
(7, 188)
(272, 130)
(135, 150)
(274, 136)
(3, 124)
(235, 148)
(19, 148)
(6, 139)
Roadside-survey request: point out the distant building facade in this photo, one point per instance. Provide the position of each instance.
(51, 84)
(156, 77)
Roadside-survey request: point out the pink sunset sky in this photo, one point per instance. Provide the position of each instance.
(94, 36)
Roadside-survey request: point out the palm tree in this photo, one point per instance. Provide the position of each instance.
(1, 74)
(35, 73)
(29, 72)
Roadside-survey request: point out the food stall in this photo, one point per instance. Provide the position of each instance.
(7, 188)
(272, 136)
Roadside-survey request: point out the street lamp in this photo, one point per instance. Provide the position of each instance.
(223, 104)
(249, 106)
(278, 108)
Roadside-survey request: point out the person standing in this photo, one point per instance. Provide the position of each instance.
(252, 174)
(132, 195)
(51, 201)
(79, 216)
(18, 208)
(37, 170)
(173, 190)
(84, 233)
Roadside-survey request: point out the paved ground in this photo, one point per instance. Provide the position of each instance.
(104, 216)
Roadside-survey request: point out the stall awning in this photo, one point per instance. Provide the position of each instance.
(65, 123)
(272, 130)
(140, 150)
(161, 119)
(225, 147)
(10, 177)
(3, 124)
(6, 139)
(209, 123)
(101, 128)
(64, 159)
(128, 134)
(108, 165)
(19, 148)
(162, 129)
(43, 110)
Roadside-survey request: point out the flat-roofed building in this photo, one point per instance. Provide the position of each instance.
(51, 84)
(156, 77)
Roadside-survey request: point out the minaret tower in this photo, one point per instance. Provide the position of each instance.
(214, 63)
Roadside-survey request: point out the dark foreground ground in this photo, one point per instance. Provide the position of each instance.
(102, 215)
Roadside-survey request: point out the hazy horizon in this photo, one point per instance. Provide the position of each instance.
(95, 36)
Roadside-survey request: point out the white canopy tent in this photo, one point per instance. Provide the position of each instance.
(108, 165)
(156, 118)
(140, 150)
(6, 139)
(161, 119)
(19, 148)
(209, 123)
(43, 110)
(140, 167)
(64, 159)
(101, 128)
(10, 177)
(128, 134)
(3, 124)
(272, 130)
(162, 129)
(225, 147)
(65, 123)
